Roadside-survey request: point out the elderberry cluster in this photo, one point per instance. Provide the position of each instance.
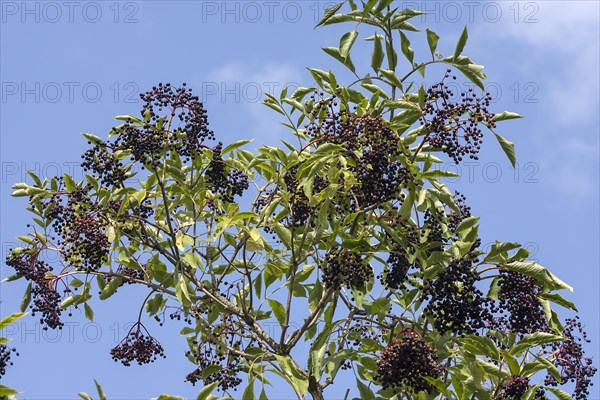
(77, 221)
(515, 388)
(518, 296)
(455, 303)
(404, 363)
(397, 268)
(182, 130)
(374, 146)
(228, 182)
(216, 362)
(137, 346)
(300, 210)
(345, 268)
(226, 375)
(569, 358)
(453, 127)
(5, 356)
(455, 218)
(46, 299)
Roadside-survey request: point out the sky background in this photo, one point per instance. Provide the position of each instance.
(68, 68)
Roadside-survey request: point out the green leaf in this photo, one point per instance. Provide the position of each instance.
(346, 43)
(278, 310)
(193, 259)
(235, 145)
(6, 321)
(408, 52)
(249, 392)
(181, 291)
(432, 40)
(558, 299)
(438, 173)
(377, 57)
(394, 80)
(84, 396)
(296, 378)
(89, 313)
(560, 394)
(365, 392)
(26, 298)
(335, 53)
(111, 287)
(92, 138)
(473, 73)
(206, 391)
(538, 272)
(508, 147)
(5, 391)
(317, 350)
(533, 340)
(101, 394)
(460, 45)
(506, 115)
(70, 183)
(329, 13)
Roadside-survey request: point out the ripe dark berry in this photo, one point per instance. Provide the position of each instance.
(515, 388)
(374, 147)
(5, 355)
(405, 362)
(182, 131)
(345, 268)
(569, 357)
(223, 180)
(455, 303)
(137, 346)
(518, 297)
(454, 127)
(46, 299)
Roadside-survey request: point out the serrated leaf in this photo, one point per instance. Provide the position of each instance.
(393, 79)
(432, 40)
(538, 272)
(69, 183)
(92, 138)
(5, 391)
(377, 57)
(26, 298)
(506, 115)
(101, 394)
(560, 394)
(296, 378)
(408, 52)
(89, 313)
(111, 287)
(558, 299)
(206, 391)
(6, 321)
(278, 310)
(460, 45)
(346, 43)
(329, 13)
(533, 340)
(181, 292)
(235, 145)
(508, 147)
(365, 392)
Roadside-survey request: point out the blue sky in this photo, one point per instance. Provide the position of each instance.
(68, 68)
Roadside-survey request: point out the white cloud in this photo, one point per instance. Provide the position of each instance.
(562, 52)
(245, 84)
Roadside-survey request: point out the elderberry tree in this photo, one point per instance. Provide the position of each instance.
(346, 236)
